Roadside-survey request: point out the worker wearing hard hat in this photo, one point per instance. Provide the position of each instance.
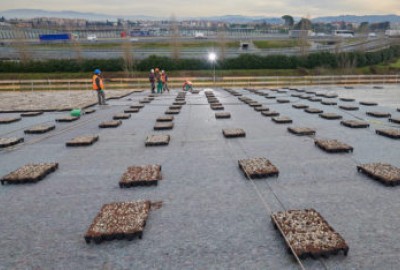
(97, 82)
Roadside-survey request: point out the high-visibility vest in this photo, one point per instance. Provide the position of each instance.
(163, 78)
(95, 84)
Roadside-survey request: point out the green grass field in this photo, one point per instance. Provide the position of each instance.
(274, 44)
(395, 64)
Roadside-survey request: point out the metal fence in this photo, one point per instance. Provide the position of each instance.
(259, 81)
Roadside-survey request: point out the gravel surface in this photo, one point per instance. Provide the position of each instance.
(212, 216)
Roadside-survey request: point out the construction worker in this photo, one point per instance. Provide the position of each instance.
(164, 79)
(188, 85)
(159, 81)
(152, 80)
(97, 81)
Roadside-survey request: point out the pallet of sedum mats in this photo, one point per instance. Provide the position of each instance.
(348, 87)
(328, 102)
(31, 114)
(9, 120)
(308, 234)
(258, 167)
(310, 92)
(347, 99)
(82, 141)
(6, 142)
(354, 124)
(313, 111)
(110, 124)
(282, 91)
(379, 114)
(330, 95)
(282, 120)
(305, 96)
(222, 115)
(179, 103)
(394, 120)
(315, 99)
(333, 146)
(368, 103)
(217, 108)
(270, 97)
(89, 111)
(261, 109)
(255, 104)
(172, 111)
(180, 99)
(301, 131)
(121, 116)
(39, 129)
(390, 133)
(167, 118)
(67, 119)
(319, 94)
(156, 140)
(123, 220)
(233, 132)
(330, 116)
(163, 125)
(150, 98)
(385, 173)
(175, 107)
(270, 113)
(30, 173)
(283, 101)
(137, 106)
(144, 101)
(145, 175)
(300, 106)
(195, 92)
(295, 95)
(349, 108)
(131, 110)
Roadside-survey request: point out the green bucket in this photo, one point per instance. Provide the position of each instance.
(76, 112)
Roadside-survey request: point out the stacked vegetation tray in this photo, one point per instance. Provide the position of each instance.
(121, 116)
(255, 104)
(354, 124)
(330, 116)
(315, 99)
(124, 220)
(258, 167)
(308, 234)
(167, 118)
(6, 142)
(67, 119)
(313, 111)
(385, 173)
(328, 102)
(137, 106)
(295, 95)
(379, 114)
(282, 120)
(347, 99)
(283, 101)
(261, 109)
(156, 140)
(131, 110)
(179, 103)
(83, 140)
(175, 107)
(330, 95)
(302, 131)
(305, 96)
(233, 132)
(31, 114)
(270, 97)
(40, 129)
(110, 124)
(300, 106)
(395, 120)
(222, 115)
(169, 112)
(217, 107)
(9, 120)
(163, 126)
(368, 103)
(145, 175)
(390, 133)
(270, 113)
(333, 146)
(349, 108)
(89, 111)
(30, 173)
(310, 92)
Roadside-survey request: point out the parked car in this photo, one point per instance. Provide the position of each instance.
(92, 37)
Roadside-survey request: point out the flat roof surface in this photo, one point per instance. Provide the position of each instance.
(212, 216)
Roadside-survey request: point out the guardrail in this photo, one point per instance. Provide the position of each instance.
(142, 83)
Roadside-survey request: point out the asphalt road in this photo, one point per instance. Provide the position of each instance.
(212, 216)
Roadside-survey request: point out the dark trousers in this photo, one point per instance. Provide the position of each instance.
(101, 97)
(153, 87)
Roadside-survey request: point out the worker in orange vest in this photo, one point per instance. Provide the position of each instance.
(187, 86)
(97, 81)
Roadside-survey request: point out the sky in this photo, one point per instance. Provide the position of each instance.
(184, 8)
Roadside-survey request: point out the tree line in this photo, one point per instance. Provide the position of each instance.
(244, 61)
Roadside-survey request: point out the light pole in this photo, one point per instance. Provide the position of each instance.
(212, 57)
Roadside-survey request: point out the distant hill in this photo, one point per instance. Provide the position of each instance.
(359, 19)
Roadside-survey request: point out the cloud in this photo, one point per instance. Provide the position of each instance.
(184, 8)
